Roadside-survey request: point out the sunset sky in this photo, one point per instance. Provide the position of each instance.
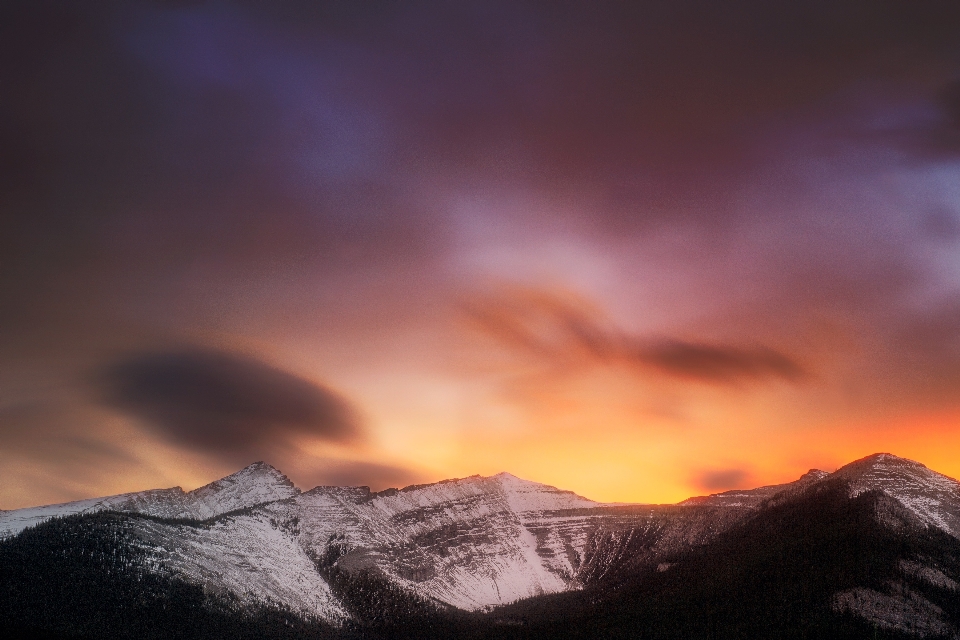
(639, 250)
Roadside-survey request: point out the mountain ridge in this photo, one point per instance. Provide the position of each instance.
(473, 543)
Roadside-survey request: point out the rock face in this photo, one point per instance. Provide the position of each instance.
(470, 543)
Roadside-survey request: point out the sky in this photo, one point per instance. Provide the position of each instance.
(638, 250)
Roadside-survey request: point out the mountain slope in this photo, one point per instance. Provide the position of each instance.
(816, 564)
(92, 576)
(873, 544)
(469, 543)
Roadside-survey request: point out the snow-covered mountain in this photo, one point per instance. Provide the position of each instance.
(257, 484)
(469, 543)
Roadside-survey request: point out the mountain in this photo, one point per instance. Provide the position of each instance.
(520, 554)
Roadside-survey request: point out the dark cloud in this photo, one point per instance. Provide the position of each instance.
(157, 143)
(950, 101)
(719, 363)
(147, 144)
(662, 104)
(565, 332)
(153, 107)
(721, 479)
(226, 404)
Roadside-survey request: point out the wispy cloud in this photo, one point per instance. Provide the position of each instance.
(562, 330)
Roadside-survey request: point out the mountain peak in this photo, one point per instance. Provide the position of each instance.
(928, 494)
(254, 484)
(259, 464)
(889, 458)
(813, 475)
(527, 495)
(879, 462)
(252, 476)
(261, 469)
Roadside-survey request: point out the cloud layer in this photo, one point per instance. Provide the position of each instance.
(756, 194)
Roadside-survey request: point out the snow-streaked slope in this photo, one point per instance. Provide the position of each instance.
(933, 497)
(253, 485)
(252, 556)
(257, 484)
(471, 543)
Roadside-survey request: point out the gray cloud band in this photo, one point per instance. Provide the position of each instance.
(551, 328)
(225, 404)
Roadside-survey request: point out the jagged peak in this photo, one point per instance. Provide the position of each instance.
(511, 482)
(391, 491)
(258, 483)
(521, 495)
(887, 457)
(260, 464)
(813, 475)
(880, 460)
(930, 495)
(251, 473)
(262, 468)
